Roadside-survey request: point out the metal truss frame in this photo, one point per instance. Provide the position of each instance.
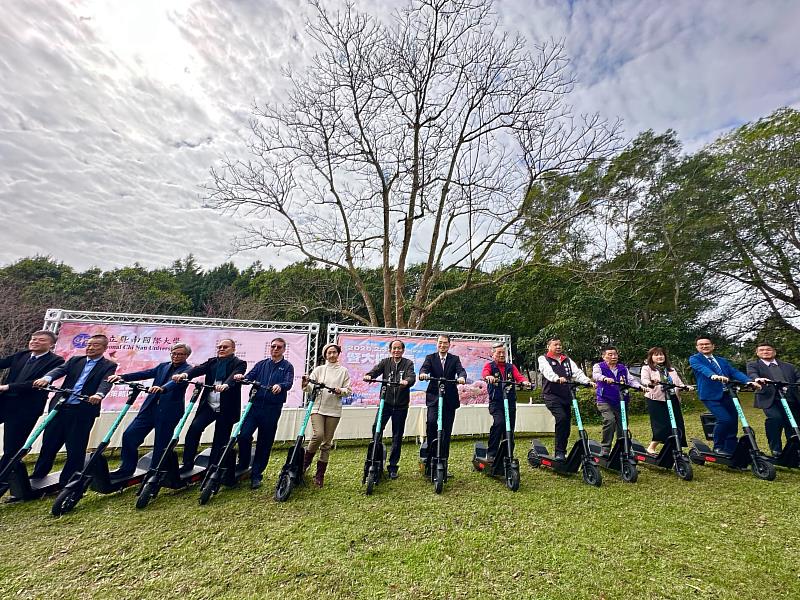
(54, 317)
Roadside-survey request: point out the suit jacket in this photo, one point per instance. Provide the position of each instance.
(173, 394)
(452, 370)
(21, 395)
(768, 394)
(230, 401)
(96, 383)
(703, 368)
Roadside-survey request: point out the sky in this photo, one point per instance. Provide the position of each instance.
(112, 113)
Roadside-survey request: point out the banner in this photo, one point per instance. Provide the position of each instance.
(140, 347)
(361, 353)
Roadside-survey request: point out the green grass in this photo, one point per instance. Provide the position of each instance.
(723, 535)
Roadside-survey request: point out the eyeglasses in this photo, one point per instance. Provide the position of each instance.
(276, 347)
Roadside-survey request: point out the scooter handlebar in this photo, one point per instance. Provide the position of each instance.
(320, 385)
(671, 386)
(66, 391)
(255, 384)
(135, 385)
(780, 383)
(385, 382)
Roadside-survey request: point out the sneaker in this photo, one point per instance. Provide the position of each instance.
(255, 483)
(393, 474)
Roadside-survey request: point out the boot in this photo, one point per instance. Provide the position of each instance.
(307, 458)
(319, 478)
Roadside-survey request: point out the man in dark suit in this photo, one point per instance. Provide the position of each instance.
(87, 375)
(769, 368)
(223, 406)
(161, 410)
(21, 404)
(711, 373)
(446, 365)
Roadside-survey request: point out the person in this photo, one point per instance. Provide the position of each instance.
(711, 372)
(657, 369)
(328, 408)
(495, 373)
(399, 370)
(223, 406)
(21, 404)
(160, 411)
(276, 376)
(448, 366)
(557, 370)
(769, 368)
(86, 375)
(609, 396)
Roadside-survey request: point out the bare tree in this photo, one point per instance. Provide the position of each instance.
(421, 141)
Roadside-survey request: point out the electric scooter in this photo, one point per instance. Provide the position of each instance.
(15, 473)
(436, 472)
(579, 457)
(292, 472)
(790, 456)
(95, 471)
(166, 472)
(225, 470)
(504, 466)
(376, 451)
(621, 458)
(746, 453)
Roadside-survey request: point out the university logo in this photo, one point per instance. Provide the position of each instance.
(79, 341)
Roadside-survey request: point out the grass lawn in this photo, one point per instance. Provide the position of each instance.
(723, 535)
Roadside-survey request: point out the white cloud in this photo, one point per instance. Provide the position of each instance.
(112, 113)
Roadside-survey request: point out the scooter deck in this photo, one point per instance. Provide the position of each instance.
(104, 483)
(480, 460)
(740, 458)
(542, 456)
(22, 487)
(790, 457)
(664, 459)
(610, 461)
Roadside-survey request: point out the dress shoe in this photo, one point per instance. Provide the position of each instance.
(186, 468)
(255, 483)
(560, 456)
(393, 474)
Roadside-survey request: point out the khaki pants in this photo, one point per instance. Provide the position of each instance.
(324, 428)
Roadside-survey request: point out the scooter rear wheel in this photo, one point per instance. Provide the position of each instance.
(533, 459)
(683, 468)
(591, 474)
(629, 472)
(696, 457)
(763, 469)
(66, 500)
(284, 487)
(512, 479)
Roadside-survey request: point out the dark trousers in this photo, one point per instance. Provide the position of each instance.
(71, 428)
(398, 417)
(153, 417)
(560, 409)
(612, 424)
(204, 417)
(431, 428)
(16, 429)
(265, 418)
(498, 429)
(727, 427)
(777, 421)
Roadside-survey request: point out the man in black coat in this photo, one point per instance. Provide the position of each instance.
(399, 370)
(767, 367)
(87, 375)
(21, 404)
(448, 366)
(223, 406)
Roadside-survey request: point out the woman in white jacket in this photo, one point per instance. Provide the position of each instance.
(327, 409)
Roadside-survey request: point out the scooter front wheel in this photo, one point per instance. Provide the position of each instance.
(66, 500)
(763, 469)
(438, 480)
(629, 472)
(683, 468)
(591, 474)
(512, 479)
(206, 491)
(284, 487)
(148, 492)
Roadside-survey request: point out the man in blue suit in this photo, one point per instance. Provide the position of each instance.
(711, 373)
(161, 410)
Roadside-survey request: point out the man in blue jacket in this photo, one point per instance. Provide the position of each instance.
(276, 376)
(711, 373)
(161, 410)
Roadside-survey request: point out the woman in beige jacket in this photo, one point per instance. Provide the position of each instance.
(327, 409)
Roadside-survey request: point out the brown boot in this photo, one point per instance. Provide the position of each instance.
(319, 478)
(307, 458)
